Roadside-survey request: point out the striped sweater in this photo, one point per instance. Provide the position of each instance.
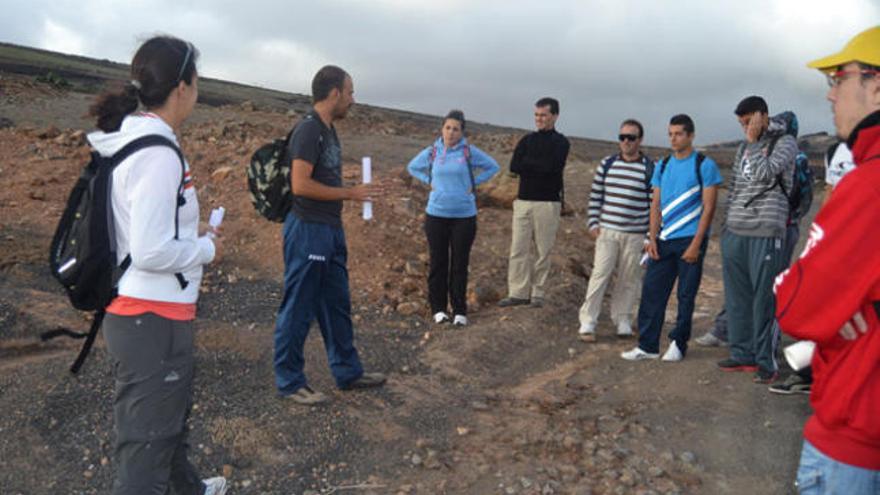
(620, 198)
(754, 178)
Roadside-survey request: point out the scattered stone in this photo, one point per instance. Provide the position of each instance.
(688, 458)
(50, 132)
(227, 471)
(479, 405)
(416, 460)
(105, 461)
(5, 123)
(222, 173)
(655, 471)
(408, 308)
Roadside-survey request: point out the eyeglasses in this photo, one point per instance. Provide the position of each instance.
(627, 137)
(189, 50)
(835, 78)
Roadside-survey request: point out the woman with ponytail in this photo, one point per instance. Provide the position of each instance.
(149, 325)
(453, 168)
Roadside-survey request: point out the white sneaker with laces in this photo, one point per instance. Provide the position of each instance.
(460, 320)
(636, 354)
(624, 329)
(441, 317)
(673, 354)
(215, 486)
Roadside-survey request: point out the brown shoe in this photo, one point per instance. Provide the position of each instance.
(367, 380)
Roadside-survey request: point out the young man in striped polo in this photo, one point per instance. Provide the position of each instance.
(617, 218)
(682, 205)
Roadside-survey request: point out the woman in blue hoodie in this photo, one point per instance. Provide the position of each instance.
(450, 167)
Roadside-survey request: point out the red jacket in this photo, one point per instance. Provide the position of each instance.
(838, 274)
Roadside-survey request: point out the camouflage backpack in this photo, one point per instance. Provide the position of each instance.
(268, 177)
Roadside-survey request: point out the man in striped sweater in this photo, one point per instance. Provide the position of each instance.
(752, 243)
(620, 206)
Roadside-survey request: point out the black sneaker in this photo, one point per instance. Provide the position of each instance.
(731, 364)
(794, 384)
(512, 301)
(765, 377)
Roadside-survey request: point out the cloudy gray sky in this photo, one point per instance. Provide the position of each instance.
(604, 59)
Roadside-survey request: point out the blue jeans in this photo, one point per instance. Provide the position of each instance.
(657, 287)
(315, 287)
(819, 474)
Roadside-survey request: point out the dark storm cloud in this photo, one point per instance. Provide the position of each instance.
(605, 60)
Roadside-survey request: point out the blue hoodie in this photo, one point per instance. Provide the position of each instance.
(451, 195)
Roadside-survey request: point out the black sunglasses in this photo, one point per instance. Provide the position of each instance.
(627, 137)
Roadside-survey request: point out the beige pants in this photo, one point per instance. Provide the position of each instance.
(623, 250)
(534, 224)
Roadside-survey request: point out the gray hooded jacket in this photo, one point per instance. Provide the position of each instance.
(754, 175)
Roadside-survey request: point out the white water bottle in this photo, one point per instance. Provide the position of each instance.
(367, 174)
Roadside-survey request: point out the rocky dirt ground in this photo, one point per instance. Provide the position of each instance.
(512, 404)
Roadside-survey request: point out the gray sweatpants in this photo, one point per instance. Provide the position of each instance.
(750, 265)
(153, 363)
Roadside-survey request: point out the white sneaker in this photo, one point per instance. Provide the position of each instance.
(587, 328)
(624, 329)
(440, 317)
(587, 332)
(215, 486)
(460, 320)
(636, 354)
(673, 354)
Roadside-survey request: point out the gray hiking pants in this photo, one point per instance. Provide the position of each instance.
(153, 363)
(750, 265)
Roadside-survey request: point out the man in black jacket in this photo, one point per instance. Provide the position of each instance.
(539, 159)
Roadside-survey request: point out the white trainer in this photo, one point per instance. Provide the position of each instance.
(215, 486)
(636, 354)
(587, 328)
(587, 332)
(440, 317)
(624, 329)
(673, 354)
(460, 320)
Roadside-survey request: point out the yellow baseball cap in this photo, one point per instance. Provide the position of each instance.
(864, 48)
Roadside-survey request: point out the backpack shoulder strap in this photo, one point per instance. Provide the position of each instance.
(698, 168)
(146, 142)
(607, 163)
(649, 171)
(663, 164)
(467, 159)
(431, 157)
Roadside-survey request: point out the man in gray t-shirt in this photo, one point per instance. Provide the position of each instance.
(315, 142)
(315, 254)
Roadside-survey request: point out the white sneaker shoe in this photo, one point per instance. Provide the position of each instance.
(636, 354)
(587, 332)
(460, 320)
(673, 354)
(440, 317)
(215, 486)
(624, 329)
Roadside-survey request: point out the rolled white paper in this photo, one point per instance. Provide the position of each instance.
(800, 354)
(367, 174)
(215, 220)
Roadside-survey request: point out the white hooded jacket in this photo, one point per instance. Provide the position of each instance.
(144, 198)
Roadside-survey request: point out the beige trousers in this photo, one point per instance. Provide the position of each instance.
(534, 226)
(622, 250)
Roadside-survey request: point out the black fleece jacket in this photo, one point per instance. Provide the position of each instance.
(539, 159)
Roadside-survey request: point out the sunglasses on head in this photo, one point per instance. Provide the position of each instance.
(189, 51)
(627, 137)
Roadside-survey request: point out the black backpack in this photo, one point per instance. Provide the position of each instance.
(82, 256)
